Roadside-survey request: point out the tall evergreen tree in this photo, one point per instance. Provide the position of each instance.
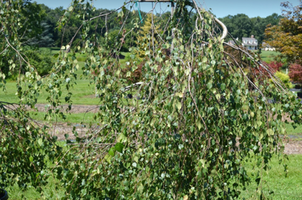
(145, 41)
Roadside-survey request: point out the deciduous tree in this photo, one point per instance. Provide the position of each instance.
(187, 135)
(286, 37)
(295, 73)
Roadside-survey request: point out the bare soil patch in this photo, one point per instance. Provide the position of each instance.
(74, 108)
(59, 130)
(291, 146)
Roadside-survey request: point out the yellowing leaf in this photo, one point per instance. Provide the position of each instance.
(121, 138)
(270, 132)
(179, 94)
(198, 125)
(178, 105)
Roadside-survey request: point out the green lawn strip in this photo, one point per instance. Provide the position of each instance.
(275, 182)
(82, 56)
(82, 93)
(74, 118)
(268, 56)
(293, 131)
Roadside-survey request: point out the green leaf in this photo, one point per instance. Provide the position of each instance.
(40, 142)
(187, 72)
(178, 105)
(111, 151)
(199, 125)
(108, 158)
(180, 95)
(140, 189)
(119, 147)
(204, 59)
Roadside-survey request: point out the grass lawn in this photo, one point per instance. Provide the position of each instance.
(74, 118)
(82, 93)
(268, 56)
(51, 191)
(293, 131)
(276, 185)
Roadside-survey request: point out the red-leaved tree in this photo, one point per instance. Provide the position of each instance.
(295, 73)
(263, 73)
(275, 66)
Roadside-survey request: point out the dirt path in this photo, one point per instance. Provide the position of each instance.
(74, 108)
(291, 146)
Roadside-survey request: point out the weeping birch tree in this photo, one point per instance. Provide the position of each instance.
(199, 114)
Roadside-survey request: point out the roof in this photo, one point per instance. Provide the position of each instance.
(249, 41)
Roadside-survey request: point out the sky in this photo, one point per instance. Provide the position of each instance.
(220, 8)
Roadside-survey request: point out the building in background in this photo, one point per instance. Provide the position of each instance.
(250, 43)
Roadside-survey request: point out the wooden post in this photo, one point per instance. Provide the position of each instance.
(106, 23)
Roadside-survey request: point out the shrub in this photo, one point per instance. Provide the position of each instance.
(41, 60)
(284, 78)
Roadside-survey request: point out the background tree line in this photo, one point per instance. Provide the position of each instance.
(239, 25)
(40, 29)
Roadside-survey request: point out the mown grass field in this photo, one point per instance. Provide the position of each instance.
(83, 93)
(278, 185)
(268, 56)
